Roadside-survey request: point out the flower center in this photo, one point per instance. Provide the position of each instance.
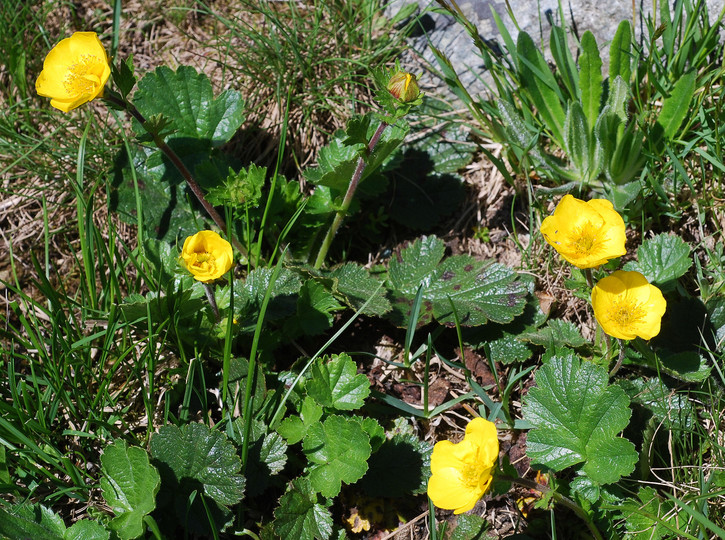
(204, 260)
(474, 474)
(626, 313)
(584, 239)
(81, 80)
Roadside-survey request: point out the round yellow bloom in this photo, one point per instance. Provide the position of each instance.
(74, 72)
(207, 256)
(586, 234)
(404, 86)
(627, 306)
(463, 472)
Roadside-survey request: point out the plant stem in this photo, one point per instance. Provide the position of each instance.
(342, 212)
(558, 497)
(185, 173)
(619, 360)
(209, 290)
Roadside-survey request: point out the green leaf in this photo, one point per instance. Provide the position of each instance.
(645, 517)
(677, 105)
(590, 78)
(540, 83)
(556, 334)
(620, 60)
(186, 98)
(267, 454)
(356, 285)
(470, 527)
(577, 139)
(315, 308)
(300, 516)
(283, 299)
(197, 454)
(662, 260)
(87, 530)
(576, 418)
(129, 485)
(32, 522)
(338, 450)
(336, 384)
(478, 291)
(564, 62)
(294, 428)
(671, 408)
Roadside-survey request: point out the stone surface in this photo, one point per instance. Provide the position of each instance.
(601, 17)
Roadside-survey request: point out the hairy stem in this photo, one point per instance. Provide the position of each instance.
(342, 212)
(185, 173)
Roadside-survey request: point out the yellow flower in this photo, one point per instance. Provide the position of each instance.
(627, 306)
(74, 72)
(463, 472)
(207, 256)
(404, 86)
(587, 234)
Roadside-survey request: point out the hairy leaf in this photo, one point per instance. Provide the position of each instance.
(356, 285)
(590, 78)
(662, 260)
(129, 486)
(576, 417)
(676, 106)
(338, 450)
(300, 516)
(335, 383)
(478, 291)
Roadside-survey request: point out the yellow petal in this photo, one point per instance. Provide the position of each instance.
(447, 490)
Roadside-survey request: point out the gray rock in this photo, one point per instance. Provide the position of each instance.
(601, 17)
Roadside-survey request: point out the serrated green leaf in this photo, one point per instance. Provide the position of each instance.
(356, 285)
(576, 418)
(186, 98)
(676, 106)
(129, 485)
(294, 428)
(716, 316)
(374, 430)
(470, 527)
(541, 85)
(620, 60)
(315, 308)
(335, 383)
(556, 333)
(338, 450)
(662, 259)
(283, 299)
(479, 292)
(300, 516)
(31, 521)
(584, 487)
(645, 517)
(448, 151)
(590, 78)
(87, 530)
(197, 453)
(667, 406)
(267, 455)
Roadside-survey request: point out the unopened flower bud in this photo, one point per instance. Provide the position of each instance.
(403, 86)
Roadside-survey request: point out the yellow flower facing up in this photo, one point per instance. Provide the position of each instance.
(74, 72)
(207, 256)
(463, 472)
(404, 86)
(586, 234)
(627, 306)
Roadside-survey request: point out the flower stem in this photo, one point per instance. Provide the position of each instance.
(619, 360)
(558, 497)
(209, 290)
(185, 173)
(351, 188)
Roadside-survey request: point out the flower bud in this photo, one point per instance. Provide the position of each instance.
(403, 87)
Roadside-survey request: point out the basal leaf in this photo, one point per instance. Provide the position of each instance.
(590, 78)
(335, 383)
(185, 97)
(129, 486)
(338, 450)
(620, 60)
(470, 527)
(315, 308)
(675, 107)
(576, 417)
(283, 300)
(300, 516)
(294, 428)
(86, 529)
(196, 454)
(662, 259)
(31, 521)
(556, 333)
(356, 285)
(478, 291)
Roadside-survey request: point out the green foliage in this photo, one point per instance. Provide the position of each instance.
(37, 521)
(299, 515)
(336, 384)
(129, 486)
(662, 260)
(576, 417)
(470, 527)
(476, 292)
(196, 457)
(648, 516)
